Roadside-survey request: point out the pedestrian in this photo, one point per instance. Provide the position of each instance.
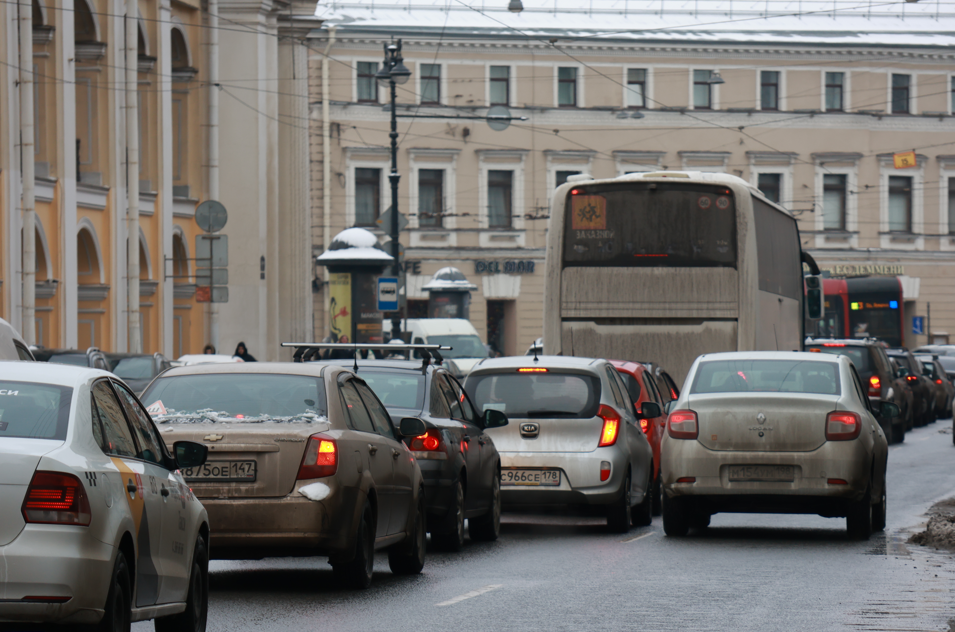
(242, 353)
(209, 350)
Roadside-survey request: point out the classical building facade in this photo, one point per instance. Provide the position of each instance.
(808, 103)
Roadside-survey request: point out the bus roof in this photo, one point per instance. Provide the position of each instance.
(659, 176)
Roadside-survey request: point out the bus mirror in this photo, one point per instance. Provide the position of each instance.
(814, 303)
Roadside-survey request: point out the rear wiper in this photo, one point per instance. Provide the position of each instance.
(548, 413)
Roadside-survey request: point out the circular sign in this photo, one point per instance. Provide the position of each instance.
(211, 216)
(723, 202)
(498, 118)
(704, 202)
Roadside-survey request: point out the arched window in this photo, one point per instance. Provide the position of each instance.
(180, 260)
(180, 52)
(37, 14)
(88, 267)
(84, 25)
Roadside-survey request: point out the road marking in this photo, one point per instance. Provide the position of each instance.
(638, 537)
(469, 595)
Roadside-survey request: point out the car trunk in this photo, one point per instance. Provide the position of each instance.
(18, 462)
(273, 450)
(779, 422)
(552, 435)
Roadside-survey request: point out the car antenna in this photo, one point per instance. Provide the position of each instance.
(535, 354)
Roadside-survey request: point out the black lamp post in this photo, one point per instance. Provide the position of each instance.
(393, 72)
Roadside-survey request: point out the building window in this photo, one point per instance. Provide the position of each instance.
(900, 94)
(834, 201)
(636, 88)
(702, 90)
(900, 204)
(367, 85)
(771, 185)
(560, 177)
(430, 197)
(834, 85)
(500, 188)
(500, 88)
(431, 84)
(567, 87)
(367, 196)
(951, 206)
(769, 90)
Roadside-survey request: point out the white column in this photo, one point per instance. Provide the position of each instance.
(114, 150)
(28, 164)
(66, 170)
(11, 168)
(164, 75)
(135, 344)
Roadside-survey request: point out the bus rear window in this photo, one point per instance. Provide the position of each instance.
(650, 225)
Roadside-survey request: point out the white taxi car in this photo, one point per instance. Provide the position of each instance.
(96, 524)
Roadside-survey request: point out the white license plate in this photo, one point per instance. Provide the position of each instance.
(762, 473)
(533, 478)
(226, 471)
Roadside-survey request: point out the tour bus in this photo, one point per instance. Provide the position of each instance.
(665, 266)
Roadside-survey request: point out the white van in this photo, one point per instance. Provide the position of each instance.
(12, 346)
(457, 333)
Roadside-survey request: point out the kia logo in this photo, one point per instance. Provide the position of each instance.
(530, 429)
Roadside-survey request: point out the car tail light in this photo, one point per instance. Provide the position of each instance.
(604, 470)
(833, 344)
(533, 369)
(875, 386)
(938, 381)
(683, 424)
(56, 498)
(645, 426)
(321, 458)
(842, 426)
(430, 445)
(608, 435)
(911, 378)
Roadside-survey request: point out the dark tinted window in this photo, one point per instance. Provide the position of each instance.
(568, 395)
(787, 376)
(777, 248)
(357, 413)
(396, 389)
(106, 408)
(23, 353)
(649, 225)
(441, 381)
(34, 411)
(379, 416)
(438, 406)
(859, 356)
(466, 408)
(149, 447)
(136, 368)
(633, 386)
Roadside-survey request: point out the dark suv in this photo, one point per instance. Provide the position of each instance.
(923, 392)
(875, 368)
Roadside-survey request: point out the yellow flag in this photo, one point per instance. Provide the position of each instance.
(904, 160)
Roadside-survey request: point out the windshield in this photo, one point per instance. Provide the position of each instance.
(34, 411)
(786, 376)
(236, 397)
(73, 359)
(529, 395)
(858, 355)
(396, 389)
(140, 368)
(462, 346)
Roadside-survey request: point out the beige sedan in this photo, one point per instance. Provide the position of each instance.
(774, 432)
(303, 460)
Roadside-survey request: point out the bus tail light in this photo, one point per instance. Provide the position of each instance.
(56, 498)
(875, 386)
(608, 435)
(321, 458)
(683, 424)
(842, 426)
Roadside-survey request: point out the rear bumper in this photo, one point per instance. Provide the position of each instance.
(580, 477)
(55, 560)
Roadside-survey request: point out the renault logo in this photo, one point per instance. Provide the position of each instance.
(212, 437)
(761, 418)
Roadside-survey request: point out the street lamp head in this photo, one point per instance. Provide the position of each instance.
(715, 78)
(400, 72)
(515, 6)
(383, 75)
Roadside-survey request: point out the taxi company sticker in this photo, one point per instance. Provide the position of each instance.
(156, 408)
(704, 202)
(589, 212)
(723, 202)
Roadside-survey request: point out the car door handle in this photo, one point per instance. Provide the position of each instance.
(131, 488)
(482, 442)
(395, 454)
(372, 449)
(164, 491)
(466, 439)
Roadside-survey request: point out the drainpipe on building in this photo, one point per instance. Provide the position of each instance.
(326, 160)
(213, 308)
(135, 342)
(27, 158)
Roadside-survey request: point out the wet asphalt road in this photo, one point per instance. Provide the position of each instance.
(558, 572)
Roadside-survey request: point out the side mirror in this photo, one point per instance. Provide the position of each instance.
(494, 418)
(189, 454)
(889, 410)
(649, 410)
(411, 427)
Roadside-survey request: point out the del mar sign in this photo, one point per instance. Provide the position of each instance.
(863, 270)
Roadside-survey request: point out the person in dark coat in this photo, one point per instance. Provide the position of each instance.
(243, 353)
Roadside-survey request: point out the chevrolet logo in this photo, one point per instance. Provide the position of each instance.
(212, 437)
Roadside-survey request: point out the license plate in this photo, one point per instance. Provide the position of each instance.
(762, 473)
(533, 478)
(226, 471)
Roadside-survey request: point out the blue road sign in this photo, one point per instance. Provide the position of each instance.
(387, 294)
(918, 325)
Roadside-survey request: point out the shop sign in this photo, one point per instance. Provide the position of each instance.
(864, 270)
(505, 267)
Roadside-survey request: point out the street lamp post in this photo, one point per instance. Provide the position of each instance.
(393, 72)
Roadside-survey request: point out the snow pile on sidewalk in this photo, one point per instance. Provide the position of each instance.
(940, 531)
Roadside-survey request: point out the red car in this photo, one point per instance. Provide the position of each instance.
(643, 389)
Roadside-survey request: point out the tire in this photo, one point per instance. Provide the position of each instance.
(193, 619)
(676, 517)
(657, 497)
(407, 558)
(357, 572)
(618, 513)
(487, 528)
(642, 514)
(898, 433)
(119, 599)
(450, 536)
(879, 511)
(859, 517)
(700, 520)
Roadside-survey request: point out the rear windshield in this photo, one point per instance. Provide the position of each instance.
(784, 376)
(132, 368)
(34, 411)
(529, 395)
(858, 355)
(236, 397)
(396, 389)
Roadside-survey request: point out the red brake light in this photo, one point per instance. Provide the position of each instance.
(56, 498)
(911, 378)
(683, 424)
(644, 425)
(938, 381)
(842, 426)
(608, 435)
(604, 471)
(532, 370)
(429, 445)
(833, 344)
(321, 458)
(875, 386)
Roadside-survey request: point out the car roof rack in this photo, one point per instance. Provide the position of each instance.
(307, 351)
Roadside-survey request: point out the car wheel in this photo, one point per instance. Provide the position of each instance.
(859, 517)
(408, 557)
(700, 520)
(898, 433)
(676, 518)
(118, 616)
(618, 513)
(642, 514)
(879, 510)
(657, 497)
(357, 572)
(193, 618)
(487, 528)
(451, 535)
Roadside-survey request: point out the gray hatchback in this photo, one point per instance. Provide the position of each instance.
(574, 435)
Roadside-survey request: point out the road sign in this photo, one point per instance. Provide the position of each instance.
(384, 222)
(206, 294)
(387, 294)
(212, 251)
(905, 160)
(211, 216)
(212, 276)
(918, 325)
(401, 249)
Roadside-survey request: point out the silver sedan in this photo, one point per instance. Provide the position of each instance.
(774, 432)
